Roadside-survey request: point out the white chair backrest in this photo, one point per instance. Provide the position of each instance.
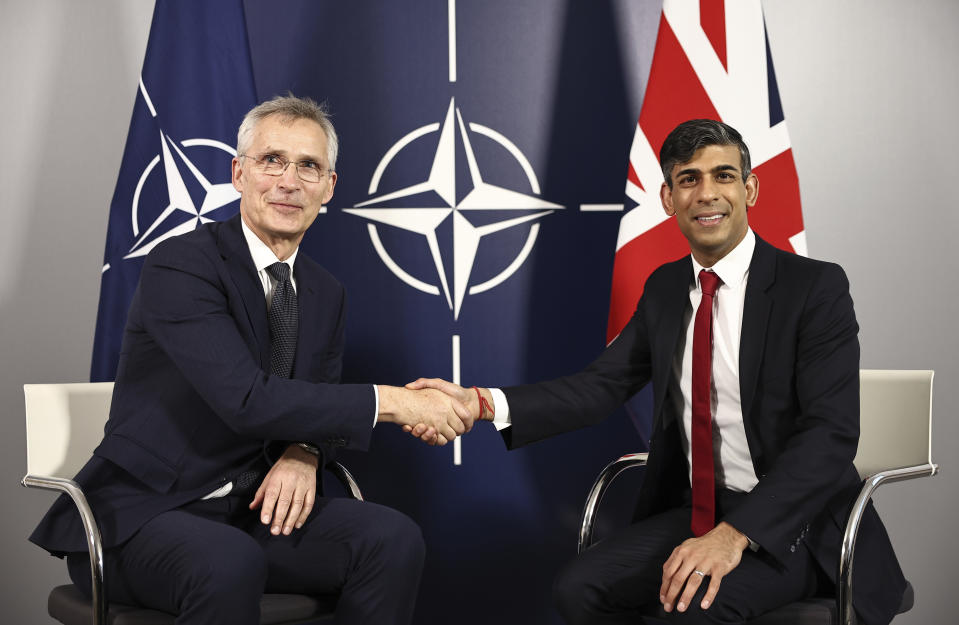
(895, 420)
(64, 425)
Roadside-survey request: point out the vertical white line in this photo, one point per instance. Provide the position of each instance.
(452, 38)
(457, 445)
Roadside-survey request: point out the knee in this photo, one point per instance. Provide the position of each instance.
(240, 571)
(575, 596)
(719, 611)
(388, 539)
(400, 537)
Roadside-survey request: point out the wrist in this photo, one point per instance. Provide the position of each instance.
(296, 451)
(739, 539)
(386, 411)
(485, 407)
(312, 449)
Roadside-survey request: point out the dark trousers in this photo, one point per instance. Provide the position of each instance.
(619, 578)
(210, 561)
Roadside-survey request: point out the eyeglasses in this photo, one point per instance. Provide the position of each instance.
(275, 165)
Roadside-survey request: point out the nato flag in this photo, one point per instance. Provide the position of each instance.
(194, 89)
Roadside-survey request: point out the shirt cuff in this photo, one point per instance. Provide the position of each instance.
(376, 403)
(501, 419)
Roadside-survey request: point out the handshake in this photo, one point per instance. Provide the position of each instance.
(434, 410)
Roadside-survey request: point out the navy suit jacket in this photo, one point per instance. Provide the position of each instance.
(194, 404)
(799, 387)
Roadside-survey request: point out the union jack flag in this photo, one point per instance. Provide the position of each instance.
(712, 61)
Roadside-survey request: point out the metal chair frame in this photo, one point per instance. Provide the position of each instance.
(871, 483)
(92, 530)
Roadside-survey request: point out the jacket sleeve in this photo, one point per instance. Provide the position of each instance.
(538, 411)
(817, 443)
(187, 307)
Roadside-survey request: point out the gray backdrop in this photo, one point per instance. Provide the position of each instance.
(868, 88)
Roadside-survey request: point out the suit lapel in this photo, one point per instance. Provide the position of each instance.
(666, 333)
(307, 301)
(236, 254)
(756, 310)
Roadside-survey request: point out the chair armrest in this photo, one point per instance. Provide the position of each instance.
(346, 479)
(94, 542)
(595, 497)
(870, 484)
(90, 528)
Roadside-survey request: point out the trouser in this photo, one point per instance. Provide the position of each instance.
(619, 578)
(210, 561)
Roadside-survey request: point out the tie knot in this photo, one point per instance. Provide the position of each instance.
(709, 282)
(279, 271)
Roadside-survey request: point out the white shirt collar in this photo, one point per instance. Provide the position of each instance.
(262, 255)
(733, 267)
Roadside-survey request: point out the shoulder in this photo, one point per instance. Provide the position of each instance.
(669, 276)
(800, 269)
(311, 273)
(196, 242)
(778, 268)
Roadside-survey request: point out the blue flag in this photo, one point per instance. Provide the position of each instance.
(471, 227)
(195, 87)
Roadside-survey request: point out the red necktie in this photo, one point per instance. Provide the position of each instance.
(704, 479)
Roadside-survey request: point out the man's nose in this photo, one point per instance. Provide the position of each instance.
(290, 178)
(708, 190)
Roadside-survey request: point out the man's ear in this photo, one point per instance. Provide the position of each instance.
(752, 190)
(237, 173)
(329, 190)
(666, 195)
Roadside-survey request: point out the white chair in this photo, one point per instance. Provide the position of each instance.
(895, 443)
(64, 424)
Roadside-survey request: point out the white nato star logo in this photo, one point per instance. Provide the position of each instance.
(466, 236)
(182, 213)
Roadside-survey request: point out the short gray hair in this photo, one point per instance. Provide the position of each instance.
(290, 108)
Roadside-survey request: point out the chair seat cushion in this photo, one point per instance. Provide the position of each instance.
(69, 606)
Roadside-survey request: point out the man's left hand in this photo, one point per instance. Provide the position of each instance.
(288, 491)
(713, 555)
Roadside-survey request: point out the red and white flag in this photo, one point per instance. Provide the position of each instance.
(711, 61)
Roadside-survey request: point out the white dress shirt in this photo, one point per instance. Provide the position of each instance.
(734, 466)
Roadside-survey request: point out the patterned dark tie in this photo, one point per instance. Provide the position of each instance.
(704, 476)
(284, 321)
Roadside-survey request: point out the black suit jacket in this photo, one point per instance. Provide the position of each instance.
(799, 386)
(193, 404)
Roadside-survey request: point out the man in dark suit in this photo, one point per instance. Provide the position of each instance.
(226, 405)
(781, 409)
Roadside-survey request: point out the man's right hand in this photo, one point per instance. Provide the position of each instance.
(469, 397)
(441, 416)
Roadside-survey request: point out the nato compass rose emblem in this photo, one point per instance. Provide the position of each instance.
(192, 199)
(435, 200)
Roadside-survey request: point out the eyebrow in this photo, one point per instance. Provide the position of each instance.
(285, 154)
(716, 169)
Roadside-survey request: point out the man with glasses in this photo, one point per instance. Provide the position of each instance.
(226, 405)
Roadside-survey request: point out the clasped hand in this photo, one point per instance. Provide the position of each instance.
(438, 416)
(466, 397)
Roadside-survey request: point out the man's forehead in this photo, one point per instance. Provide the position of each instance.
(302, 136)
(712, 157)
